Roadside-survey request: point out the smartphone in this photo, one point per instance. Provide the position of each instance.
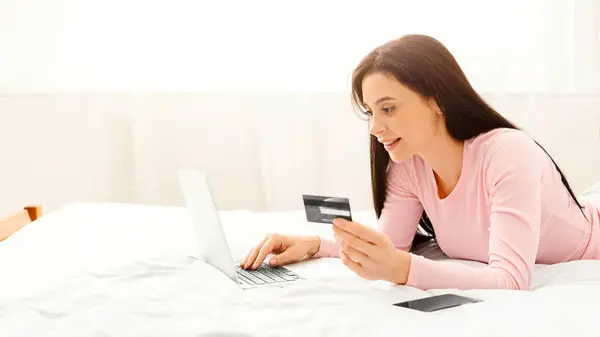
(439, 302)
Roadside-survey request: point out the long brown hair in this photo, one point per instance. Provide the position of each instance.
(424, 65)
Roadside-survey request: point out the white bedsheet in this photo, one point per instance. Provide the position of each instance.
(124, 270)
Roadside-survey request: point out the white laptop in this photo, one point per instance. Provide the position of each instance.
(211, 237)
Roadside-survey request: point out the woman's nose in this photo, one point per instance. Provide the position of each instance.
(375, 126)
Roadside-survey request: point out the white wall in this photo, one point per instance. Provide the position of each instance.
(103, 100)
(513, 46)
(262, 150)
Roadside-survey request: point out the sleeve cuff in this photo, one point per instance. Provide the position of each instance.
(415, 271)
(327, 248)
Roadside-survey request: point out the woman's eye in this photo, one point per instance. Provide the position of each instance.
(388, 110)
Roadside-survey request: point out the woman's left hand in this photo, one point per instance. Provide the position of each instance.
(369, 253)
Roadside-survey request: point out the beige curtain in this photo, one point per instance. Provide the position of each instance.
(104, 101)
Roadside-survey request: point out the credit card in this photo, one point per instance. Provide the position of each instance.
(324, 209)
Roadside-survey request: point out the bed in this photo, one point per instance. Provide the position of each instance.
(110, 269)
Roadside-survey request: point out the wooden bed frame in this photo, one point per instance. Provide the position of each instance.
(9, 225)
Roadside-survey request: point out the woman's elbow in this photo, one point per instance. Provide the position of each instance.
(510, 281)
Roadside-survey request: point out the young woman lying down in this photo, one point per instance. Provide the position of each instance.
(447, 166)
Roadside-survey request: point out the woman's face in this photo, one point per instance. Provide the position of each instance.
(400, 118)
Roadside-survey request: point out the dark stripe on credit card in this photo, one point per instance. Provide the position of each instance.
(324, 209)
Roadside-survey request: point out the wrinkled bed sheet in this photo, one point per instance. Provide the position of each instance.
(126, 270)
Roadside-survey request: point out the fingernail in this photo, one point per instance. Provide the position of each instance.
(255, 265)
(335, 221)
(273, 262)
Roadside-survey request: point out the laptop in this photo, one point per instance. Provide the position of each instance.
(214, 247)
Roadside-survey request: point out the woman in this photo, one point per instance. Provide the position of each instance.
(485, 190)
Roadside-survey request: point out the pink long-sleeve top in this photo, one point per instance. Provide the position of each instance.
(509, 210)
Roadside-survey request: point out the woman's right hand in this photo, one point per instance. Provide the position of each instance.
(289, 249)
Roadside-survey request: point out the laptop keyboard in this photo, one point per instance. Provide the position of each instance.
(266, 274)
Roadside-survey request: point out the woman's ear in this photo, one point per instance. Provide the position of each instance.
(433, 104)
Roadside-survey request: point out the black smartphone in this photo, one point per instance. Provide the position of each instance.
(439, 302)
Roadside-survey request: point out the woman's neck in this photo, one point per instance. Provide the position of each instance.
(445, 156)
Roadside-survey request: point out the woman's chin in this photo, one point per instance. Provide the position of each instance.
(398, 157)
